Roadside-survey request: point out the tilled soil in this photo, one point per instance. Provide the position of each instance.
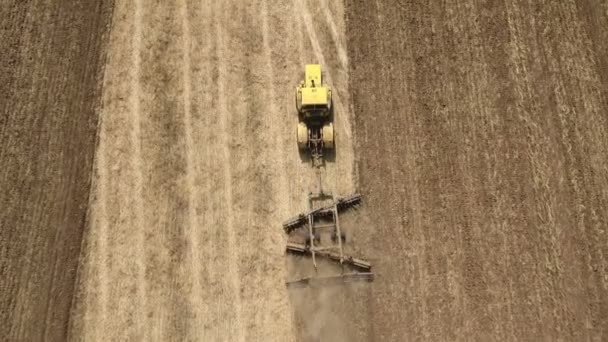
(50, 68)
(481, 137)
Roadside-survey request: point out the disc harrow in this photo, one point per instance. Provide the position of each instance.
(326, 217)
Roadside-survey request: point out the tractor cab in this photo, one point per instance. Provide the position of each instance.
(313, 98)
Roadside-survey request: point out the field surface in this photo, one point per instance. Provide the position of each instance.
(197, 167)
(148, 160)
(482, 140)
(50, 76)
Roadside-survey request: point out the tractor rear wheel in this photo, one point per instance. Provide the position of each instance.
(328, 136)
(302, 136)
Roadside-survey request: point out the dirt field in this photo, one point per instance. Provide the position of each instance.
(197, 167)
(476, 132)
(481, 137)
(50, 66)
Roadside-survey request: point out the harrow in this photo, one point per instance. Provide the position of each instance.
(317, 219)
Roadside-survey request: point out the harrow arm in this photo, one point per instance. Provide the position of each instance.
(301, 220)
(361, 265)
(332, 280)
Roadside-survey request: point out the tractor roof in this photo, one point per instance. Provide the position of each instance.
(313, 75)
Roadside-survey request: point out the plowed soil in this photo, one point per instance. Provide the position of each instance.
(476, 132)
(482, 140)
(50, 72)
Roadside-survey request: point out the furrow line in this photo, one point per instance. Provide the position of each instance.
(135, 137)
(275, 121)
(102, 225)
(225, 116)
(334, 34)
(193, 195)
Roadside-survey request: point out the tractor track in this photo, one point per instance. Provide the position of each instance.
(194, 250)
(136, 140)
(225, 118)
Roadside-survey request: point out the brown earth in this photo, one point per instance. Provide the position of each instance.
(482, 146)
(50, 66)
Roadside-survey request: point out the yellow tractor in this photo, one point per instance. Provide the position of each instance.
(313, 101)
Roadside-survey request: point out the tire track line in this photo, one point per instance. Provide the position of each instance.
(275, 125)
(194, 253)
(334, 34)
(225, 116)
(281, 188)
(135, 137)
(102, 238)
(207, 54)
(522, 91)
(216, 282)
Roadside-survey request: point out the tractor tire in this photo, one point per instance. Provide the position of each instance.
(328, 136)
(302, 136)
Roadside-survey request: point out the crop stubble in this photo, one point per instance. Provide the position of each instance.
(195, 170)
